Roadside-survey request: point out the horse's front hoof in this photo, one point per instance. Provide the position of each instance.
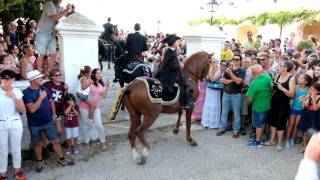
(193, 143)
(175, 131)
(142, 161)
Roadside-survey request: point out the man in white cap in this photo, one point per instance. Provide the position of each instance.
(41, 115)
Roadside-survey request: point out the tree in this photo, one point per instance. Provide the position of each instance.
(12, 9)
(280, 18)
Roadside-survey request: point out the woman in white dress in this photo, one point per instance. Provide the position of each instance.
(212, 101)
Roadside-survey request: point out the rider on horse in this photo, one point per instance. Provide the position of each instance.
(135, 45)
(109, 32)
(170, 72)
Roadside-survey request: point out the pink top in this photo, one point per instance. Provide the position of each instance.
(96, 93)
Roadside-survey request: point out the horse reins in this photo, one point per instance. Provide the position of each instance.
(193, 74)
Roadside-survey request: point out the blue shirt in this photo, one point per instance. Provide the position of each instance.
(42, 115)
(296, 105)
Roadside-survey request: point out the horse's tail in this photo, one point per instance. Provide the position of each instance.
(116, 105)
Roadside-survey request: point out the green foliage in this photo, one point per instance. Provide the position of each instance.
(280, 18)
(305, 44)
(12, 9)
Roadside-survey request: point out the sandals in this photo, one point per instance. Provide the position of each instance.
(220, 133)
(269, 143)
(40, 166)
(19, 175)
(66, 162)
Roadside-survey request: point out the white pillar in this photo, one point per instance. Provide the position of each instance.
(204, 38)
(78, 46)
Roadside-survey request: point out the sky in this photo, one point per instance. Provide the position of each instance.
(173, 15)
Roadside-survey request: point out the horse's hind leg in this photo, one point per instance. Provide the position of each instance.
(135, 121)
(146, 123)
(176, 129)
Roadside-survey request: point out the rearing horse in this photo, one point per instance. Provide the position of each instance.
(135, 99)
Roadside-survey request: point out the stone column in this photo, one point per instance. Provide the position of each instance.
(204, 38)
(78, 46)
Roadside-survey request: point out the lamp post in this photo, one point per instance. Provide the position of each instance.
(158, 24)
(212, 8)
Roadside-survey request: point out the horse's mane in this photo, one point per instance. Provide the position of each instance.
(196, 57)
(197, 62)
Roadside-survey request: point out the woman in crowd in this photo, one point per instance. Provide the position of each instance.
(27, 61)
(11, 128)
(284, 89)
(2, 49)
(58, 90)
(296, 109)
(212, 101)
(98, 90)
(14, 53)
(12, 37)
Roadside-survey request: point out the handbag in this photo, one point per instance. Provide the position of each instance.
(214, 85)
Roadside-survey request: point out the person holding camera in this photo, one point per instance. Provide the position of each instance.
(46, 37)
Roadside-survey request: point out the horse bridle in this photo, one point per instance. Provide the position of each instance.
(193, 74)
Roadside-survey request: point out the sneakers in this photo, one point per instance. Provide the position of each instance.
(287, 144)
(255, 144)
(291, 142)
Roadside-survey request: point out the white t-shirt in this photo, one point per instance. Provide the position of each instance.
(8, 109)
(85, 92)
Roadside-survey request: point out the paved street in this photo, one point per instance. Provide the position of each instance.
(171, 157)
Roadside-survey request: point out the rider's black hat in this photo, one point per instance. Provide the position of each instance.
(170, 39)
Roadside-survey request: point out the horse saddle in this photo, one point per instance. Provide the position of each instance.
(158, 93)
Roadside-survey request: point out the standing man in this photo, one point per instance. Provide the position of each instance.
(249, 46)
(259, 95)
(45, 36)
(232, 80)
(226, 54)
(41, 115)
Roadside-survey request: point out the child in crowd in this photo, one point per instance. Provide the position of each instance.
(6, 63)
(83, 91)
(310, 120)
(296, 109)
(71, 113)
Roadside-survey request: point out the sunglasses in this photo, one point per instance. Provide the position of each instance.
(236, 59)
(262, 59)
(57, 75)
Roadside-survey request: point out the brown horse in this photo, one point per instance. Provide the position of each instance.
(136, 100)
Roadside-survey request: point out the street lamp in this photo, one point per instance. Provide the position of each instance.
(212, 8)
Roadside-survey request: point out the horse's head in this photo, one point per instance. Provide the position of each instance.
(198, 64)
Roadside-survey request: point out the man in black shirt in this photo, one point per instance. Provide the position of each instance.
(232, 80)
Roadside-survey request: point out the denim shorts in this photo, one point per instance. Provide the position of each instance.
(84, 98)
(296, 112)
(49, 129)
(45, 41)
(258, 119)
